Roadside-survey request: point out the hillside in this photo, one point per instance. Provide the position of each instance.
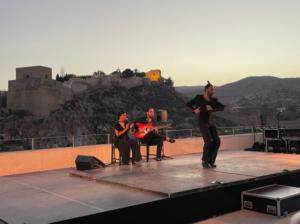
(189, 91)
(250, 87)
(94, 112)
(264, 86)
(255, 100)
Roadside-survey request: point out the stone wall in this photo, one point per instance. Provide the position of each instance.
(37, 96)
(40, 96)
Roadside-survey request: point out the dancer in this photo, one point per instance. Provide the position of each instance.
(204, 105)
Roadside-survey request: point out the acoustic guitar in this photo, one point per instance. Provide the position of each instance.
(144, 129)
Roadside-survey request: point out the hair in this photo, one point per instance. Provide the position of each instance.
(121, 112)
(208, 85)
(149, 108)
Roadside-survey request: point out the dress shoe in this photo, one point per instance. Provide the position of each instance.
(171, 140)
(205, 165)
(212, 165)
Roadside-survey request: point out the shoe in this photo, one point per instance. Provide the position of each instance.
(125, 163)
(205, 165)
(213, 165)
(133, 162)
(171, 140)
(158, 159)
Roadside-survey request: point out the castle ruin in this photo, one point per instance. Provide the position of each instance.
(35, 91)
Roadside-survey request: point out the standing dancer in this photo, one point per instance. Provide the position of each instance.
(204, 105)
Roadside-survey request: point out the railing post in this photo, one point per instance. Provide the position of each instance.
(166, 133)
(73, 141)
(191, 133)
(233, 132)
(32, 143)
(108, 138)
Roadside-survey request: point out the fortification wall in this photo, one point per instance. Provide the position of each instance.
(37, 96)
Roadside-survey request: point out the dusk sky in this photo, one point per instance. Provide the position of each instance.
(191, 41)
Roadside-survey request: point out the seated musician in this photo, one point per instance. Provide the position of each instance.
(152, 137)
(123, 142)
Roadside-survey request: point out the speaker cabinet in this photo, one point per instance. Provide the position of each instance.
(88, 162)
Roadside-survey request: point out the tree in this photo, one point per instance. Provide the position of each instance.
(169, 82)
(127, 73)
(99, 73)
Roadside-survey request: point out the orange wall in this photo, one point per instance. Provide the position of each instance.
(59, 158)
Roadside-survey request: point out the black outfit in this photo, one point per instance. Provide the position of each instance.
(124, 143)
(207, 127)
(152, 138)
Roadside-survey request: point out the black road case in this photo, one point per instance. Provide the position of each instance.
(278, 200)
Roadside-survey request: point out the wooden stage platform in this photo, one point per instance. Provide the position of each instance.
(174, 190)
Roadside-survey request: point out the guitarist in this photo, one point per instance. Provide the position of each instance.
(153, 137)
(203, 105)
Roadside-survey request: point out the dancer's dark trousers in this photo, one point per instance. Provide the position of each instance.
(152, 138)
(211, 142)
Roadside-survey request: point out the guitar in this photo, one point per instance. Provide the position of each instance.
(144, 129)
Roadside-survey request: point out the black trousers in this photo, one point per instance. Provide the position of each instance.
(153, 138)
(211, 142)
(124, 145)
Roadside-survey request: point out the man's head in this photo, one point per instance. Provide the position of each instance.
(150, 112)
(122, 116)
(209, 89)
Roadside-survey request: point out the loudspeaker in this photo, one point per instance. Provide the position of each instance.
(271, 133)
(276, 145)
(3, 222)
(295, 146)
(88, 162)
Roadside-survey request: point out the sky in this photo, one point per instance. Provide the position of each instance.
(190, 41)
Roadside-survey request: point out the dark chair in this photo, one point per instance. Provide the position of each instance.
(148, 154)
(113, 149)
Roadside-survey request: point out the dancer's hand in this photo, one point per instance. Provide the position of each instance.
(209, 108)
(197, 110)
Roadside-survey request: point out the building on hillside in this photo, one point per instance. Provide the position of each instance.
(33, 72)
(35, 91)
(154, 75)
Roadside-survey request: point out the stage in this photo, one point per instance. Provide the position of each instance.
(184, 174)
(174, 190)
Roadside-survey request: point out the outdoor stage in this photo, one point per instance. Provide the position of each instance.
(175, 190)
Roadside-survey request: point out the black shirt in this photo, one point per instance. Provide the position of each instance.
(119, 127)
(200, 102)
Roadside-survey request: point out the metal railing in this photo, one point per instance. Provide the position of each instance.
(98, 139)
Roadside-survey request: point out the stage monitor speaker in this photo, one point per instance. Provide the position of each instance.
(295, 146)
(271, 133)
(88, 162)
(3, 222)
(276, 145)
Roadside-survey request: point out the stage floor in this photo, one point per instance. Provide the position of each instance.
(57, 195)
(184, 174)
